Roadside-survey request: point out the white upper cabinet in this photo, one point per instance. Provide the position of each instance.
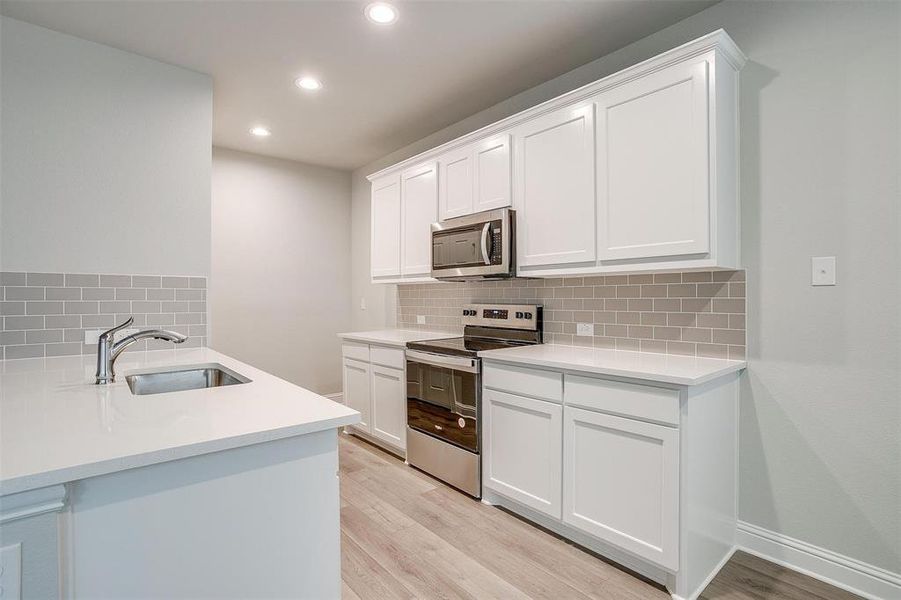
(637, 171)
(554, 188)
(474, 178)
(652, 165)
(455, 177)
(386, 219)
(419, 194)
(493, 173)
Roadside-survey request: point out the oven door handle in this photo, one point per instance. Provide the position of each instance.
(468, 365)
(485, 252)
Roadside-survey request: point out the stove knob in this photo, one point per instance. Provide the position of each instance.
(519, 315)
(527, 315)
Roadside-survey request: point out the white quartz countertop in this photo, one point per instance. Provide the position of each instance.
(663, 368)
(394, 337)
(56, 426)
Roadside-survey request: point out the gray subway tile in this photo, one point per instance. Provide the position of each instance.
(44, 308)
(198, 282)
(729, 305)
(82, 308)
(63, 349)
(732, 337)
(145, 307)
(696, 277)
(713, 350)
(115, 281)
(160, 319)
(198, 307)
(44, 336)
(146, 281)
(176, 282)
(98, 293)
(12, 278)
(131, 294)
(161, 294)
(175, 307)
(63, 293)
(95, 321)
(115, 307)
(73, 335)
(16, 323)
(189, 318)
(188, 295)
(24, 293)
(45, 279)
(10, 338)
(82, 280)
(12, 308)
(33, 351)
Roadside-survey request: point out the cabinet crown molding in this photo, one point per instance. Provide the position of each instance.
(718, 41)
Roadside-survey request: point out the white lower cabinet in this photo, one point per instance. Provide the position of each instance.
(639, 471)
(621, 482)
(522, 449)
(388, 388)
(356, 390)
(375, 385)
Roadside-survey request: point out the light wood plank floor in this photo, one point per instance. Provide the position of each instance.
(405, 535)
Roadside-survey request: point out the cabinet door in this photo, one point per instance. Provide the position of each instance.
(493, 173)
(455, 178)
(385, 234)
(522, 445)
(554, 188)
(356, 391)
(389, 398)
(620, 483)
(653, 185)
(419, 193)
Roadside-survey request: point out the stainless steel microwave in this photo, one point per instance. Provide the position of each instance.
(478, 246)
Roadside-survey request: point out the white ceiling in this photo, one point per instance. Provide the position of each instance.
(385, 86)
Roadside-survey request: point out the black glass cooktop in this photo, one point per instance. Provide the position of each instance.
(461, 346)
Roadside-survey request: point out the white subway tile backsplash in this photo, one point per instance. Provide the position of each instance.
(46, 314)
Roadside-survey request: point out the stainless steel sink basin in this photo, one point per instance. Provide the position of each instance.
(183, 377)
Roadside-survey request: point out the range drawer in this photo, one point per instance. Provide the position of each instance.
(387, 357)
(524, 381)
(357, 350)
(644, 402)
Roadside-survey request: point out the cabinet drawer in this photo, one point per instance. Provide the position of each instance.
(355, 350)
(627, 399)
(525, 381)
(388, 357)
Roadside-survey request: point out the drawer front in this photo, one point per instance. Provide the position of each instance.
(355, 350)
(387, 357)
(525, 381)
(627, 399)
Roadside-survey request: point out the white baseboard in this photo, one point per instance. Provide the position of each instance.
(336, 397)
(841, 571)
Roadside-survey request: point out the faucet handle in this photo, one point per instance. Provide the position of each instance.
(108, 334)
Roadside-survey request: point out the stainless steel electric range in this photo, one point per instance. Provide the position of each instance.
(444, 390)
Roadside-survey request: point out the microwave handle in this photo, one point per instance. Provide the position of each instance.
(485, 252)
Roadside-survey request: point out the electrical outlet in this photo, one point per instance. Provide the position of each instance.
(584, 328)
(11, 571)
(420, 319)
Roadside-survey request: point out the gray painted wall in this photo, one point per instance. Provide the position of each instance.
(820, 410)
(280, 287)
(105, 158)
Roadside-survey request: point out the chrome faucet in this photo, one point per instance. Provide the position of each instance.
(108, 352)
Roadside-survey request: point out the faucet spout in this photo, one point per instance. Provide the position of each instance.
(108, 352)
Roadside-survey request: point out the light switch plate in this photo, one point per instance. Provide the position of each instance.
(822, 270)
(584, 328)
(11, 572)
(420, 319)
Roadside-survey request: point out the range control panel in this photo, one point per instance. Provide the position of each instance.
(513, 316)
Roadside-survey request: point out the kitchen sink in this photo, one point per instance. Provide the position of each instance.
(186, 377)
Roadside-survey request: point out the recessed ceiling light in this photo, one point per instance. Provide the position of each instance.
(381, 13)
(260, 131)
(308, 83)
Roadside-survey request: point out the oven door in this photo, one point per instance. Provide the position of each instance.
(475, 246)
(443, 397)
